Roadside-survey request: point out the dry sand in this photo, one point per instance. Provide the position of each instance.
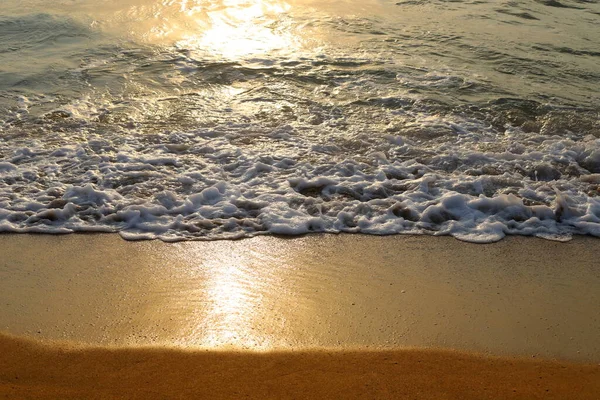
(324, 316)
(28, 370)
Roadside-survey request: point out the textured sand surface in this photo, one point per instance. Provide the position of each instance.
(32, 371)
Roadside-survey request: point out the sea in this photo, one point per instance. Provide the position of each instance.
(223, 119)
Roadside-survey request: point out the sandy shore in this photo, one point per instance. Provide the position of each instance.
(308, 317)
(521, 296)
(29, 370)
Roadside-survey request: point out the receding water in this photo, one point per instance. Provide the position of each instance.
(205, 119)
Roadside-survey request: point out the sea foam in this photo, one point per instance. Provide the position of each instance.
(525, 187)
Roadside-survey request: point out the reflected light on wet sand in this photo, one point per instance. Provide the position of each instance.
(232, 307)
(322, 291)
(231, 298)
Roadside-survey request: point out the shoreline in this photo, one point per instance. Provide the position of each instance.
(512, 298)
(30, 370)
(323, 316)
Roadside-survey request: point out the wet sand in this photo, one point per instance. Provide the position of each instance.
(521, 296)
(310, 317)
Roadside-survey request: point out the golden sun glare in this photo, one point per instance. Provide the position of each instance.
(236, 28)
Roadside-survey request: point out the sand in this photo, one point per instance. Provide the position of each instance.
(28, 370)
(521, 296)
(308, 317)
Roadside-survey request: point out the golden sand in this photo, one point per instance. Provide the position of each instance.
(521, 296)
(318, 317)
(33, 371)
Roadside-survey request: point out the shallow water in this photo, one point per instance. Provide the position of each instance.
(205, 119)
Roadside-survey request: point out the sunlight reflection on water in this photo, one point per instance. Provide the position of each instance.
(239, 28)
(224, 28)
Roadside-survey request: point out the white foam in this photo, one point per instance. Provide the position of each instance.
(418, 172)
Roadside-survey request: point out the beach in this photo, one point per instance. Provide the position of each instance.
(31, 371)
(299, 199)
(95, 316)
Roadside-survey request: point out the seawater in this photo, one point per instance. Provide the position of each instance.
(210, 119)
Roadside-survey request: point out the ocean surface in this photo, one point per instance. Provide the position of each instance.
(210, 119)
